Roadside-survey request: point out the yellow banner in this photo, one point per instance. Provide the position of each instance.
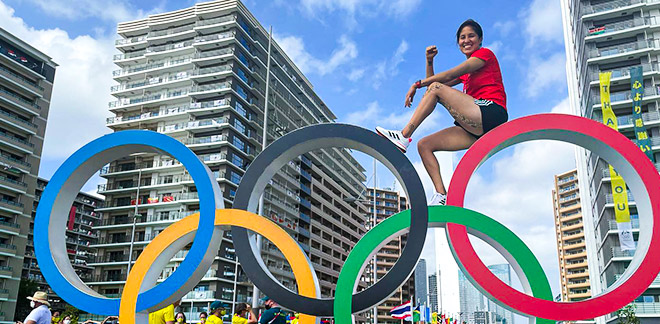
(619, 191)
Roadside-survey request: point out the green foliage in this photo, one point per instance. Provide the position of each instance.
(73, 312)
(25, 289)
(627, 315)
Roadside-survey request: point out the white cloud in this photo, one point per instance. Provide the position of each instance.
(542, 22)
(388, 68)
(545, 74)
(82, 84)
(356, 74)
(295, 48)
(515, 189)
(504, 27)
(495, 46)
(393, 118)
(359, 117)
(114, 11)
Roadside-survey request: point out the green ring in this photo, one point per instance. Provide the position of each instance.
(438, 215)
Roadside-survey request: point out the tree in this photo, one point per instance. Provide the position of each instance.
(627, 315)
(26, 289)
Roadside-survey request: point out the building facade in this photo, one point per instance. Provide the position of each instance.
(388, 203)
(571, 245)
(26, 85)
(433, 293)
(199, 75)
(421, 284)
(80, 239)
(613, 36)
(475, 307)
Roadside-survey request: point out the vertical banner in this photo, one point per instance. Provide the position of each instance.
(72, 218)
(619, 190)
(637, 94)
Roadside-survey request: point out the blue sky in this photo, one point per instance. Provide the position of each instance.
(361, 56)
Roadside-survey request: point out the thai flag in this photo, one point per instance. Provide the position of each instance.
(402, 311)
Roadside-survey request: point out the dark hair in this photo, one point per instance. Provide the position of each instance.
(475, 25)
(203, 313)
(240, 308)
(184, 317)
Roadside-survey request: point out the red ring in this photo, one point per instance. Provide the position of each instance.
(470, 261)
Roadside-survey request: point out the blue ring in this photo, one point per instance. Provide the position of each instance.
(151, 297)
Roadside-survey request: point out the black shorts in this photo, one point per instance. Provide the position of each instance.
(492, 115)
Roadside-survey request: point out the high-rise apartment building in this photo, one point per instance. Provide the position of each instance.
(80, 239)
(388, 203)
(613, 36)
(421, 284)
(571, 245)
(475, 307)
(26, 84)
(433, 293)
(200, 75)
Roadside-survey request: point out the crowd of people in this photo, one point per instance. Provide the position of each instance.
(243, 314)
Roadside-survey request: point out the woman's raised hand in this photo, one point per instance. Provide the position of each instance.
(431, 52)
(410, 95)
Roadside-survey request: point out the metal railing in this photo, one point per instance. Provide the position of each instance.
(623, 48)
(168, 47)
(170, 31)
(126, 56)
(213, 21)
(131, 40)
(20, 99)
(21, 78)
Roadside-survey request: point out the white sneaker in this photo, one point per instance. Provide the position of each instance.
(395, 137)
(438, 199)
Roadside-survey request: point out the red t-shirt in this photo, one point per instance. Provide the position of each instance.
(485, 83)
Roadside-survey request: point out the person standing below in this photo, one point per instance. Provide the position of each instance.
(477, 110)
(40, 313)
(164, 315)
(217, 311)
(244, 315)
(56, 317)
(180, 318)
(273, 313)
(202, 317)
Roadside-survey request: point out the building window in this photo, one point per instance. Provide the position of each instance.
(239, 143)
(239, 125)
(244, 59)
(237, 160)
(241, 110)
(241, 92)
(234, 177)
(243, 76)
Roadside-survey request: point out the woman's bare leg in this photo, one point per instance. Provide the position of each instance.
(459, 105)
(449, 139)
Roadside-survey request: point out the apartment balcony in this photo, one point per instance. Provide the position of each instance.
(15, 163)
(6, 271)
(214, 25)
(18, 122)
(563, 190)
(624, 98)
(618, 253)
(19, 102)
(175, 198)
(621, 29)
(8, 248)
(213, 57)
(17, 143)
(575, 255)
(117, 241)
(127, 103)
(162, 51)
(606, 172)
(132, 43)
(623, 74)
(130, 58)
(10, 227)
(108, 278)
(171, 34)
(576, 264)
(572, 235)
(568, 198)
(212, 73)
(159, 217)
(625, 122)
(201, 92)
(146, 184)
(624, 51)
(566, 180)
(199, 295)
(13, 185)
(26, 85)
(196, 126)
(610, 200)
(207, 42)
(12, 206)
(143, 70)
(612, 225)
(152, 84)
(610, 8)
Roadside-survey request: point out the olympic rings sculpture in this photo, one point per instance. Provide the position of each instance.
(204, 230)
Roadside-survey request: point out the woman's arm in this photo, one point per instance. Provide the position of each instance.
(431, 51)
(448, 77)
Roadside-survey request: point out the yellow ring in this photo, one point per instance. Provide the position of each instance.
(234, 217)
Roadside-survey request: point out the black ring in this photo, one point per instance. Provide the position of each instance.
(304, 140)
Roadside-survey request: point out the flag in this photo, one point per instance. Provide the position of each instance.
(402, 311)
(416, 314)
(434, 318)
(428, 315)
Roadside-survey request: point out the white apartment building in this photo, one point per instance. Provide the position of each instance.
(612, 36)
(199, 75)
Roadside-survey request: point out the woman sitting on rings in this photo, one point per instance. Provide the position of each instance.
(477, 110)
